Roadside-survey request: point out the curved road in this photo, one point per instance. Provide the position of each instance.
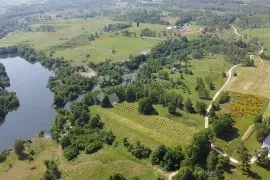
(229, 74)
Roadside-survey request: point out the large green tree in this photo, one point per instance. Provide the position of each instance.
(146, 106)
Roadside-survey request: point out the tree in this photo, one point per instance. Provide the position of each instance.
(258, 119)
(172, 106)
(223, 125)
(212, 161)
(116, 176)
(201, 107)
(244, 156)
(184, 173)
(189, 106)
(138, 23)
(105, 103)
(18, 147)
(199, 147)
(146, 106)
(52, 172)
(224, 97)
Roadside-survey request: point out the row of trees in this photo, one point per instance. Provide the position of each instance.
(116, 27)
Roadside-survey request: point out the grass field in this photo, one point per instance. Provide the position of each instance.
(125, 121)
(252, 80)
(99, 165)
(212, 66)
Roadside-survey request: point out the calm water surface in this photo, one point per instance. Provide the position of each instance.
(35, 112)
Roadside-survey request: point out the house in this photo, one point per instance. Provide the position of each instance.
(266, 143)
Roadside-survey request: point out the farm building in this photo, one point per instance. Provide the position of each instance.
(266, 143)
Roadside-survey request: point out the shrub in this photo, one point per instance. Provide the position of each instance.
(93, 147)
(71, 153)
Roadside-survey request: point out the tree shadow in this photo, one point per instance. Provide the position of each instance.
(177, 114)
(252, 174)
(24, 156)
(234, 133)
(266, 167)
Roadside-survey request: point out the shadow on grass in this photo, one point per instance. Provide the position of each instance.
(252, 174)
(234, 133)
(25, 156)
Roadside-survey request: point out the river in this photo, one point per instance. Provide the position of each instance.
(35, 112)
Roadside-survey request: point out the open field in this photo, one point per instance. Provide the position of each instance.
(252, 80)
(209, 66)
(99, 165)
(125, 121)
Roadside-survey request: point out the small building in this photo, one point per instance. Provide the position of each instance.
(266, 143)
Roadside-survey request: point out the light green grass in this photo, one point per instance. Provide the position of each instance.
(99, 165)
(125, 121)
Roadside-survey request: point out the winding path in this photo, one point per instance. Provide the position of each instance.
(229, 75)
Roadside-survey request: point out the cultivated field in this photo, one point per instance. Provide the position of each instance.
(125, 121)
(252, 80)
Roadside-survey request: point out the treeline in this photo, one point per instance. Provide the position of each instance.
(87, 133)
(45, 28)
(148, 33)
(116, 27)
(8, 100)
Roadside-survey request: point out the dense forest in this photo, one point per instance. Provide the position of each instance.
(8, 100)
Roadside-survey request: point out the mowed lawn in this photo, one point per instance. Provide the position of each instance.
(99, 165)
(252, 80)
(124, 120)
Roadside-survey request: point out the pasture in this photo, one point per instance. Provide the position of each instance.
(252, 80)
(99, 165)
(124, 120)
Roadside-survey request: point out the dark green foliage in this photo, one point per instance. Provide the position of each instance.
(262, 131)
(258, 119)
(71, 153)
(224, 97)
(93, 147)
(116, 176)
(167, 158)
(262, 157)
(244, 156)
(139, 151)
(116, 27)
(172, 106)
(201, 107)
(199, 147)
(4, 154)
(223, 125)
(212, 161)
(184, 173)
(8, 100)
(65, 141)
(52, 172)
(148, 33)
(105, 102)
(146, 106)
(18, 147)
(189, 106)
(79, 113)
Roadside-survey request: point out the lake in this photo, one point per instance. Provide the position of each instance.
(35, 112)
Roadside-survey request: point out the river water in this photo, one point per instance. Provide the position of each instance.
(35, 112)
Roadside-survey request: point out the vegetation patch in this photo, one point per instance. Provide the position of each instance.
(247, 105)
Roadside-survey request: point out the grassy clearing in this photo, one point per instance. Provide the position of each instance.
(125, 121)
(252, 80)
(208, 66)
(99, 165)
